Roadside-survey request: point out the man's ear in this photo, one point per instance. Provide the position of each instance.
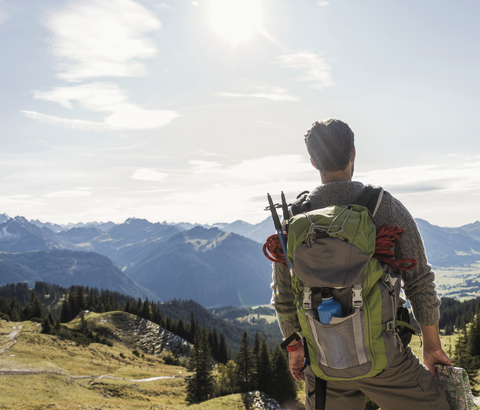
(311, 160)
(352, 154)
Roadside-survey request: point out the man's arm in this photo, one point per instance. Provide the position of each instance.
(419, 286)
(283, 300)
(432, 348)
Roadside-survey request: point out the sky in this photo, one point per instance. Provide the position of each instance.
(191, 111)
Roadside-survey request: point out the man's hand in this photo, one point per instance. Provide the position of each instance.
(430, 357)
(432, 348)
(295, 361)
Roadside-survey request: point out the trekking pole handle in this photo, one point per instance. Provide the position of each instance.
(278, 228)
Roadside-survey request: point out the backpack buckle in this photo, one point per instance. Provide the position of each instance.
(307, 298)
(389, 326)
(357, 300)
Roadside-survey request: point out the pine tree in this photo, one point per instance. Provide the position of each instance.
(214, 343)
(128, 306)
(180, 329)
(192, 328)
(462, 357)
(47, 326)
(80, 299)
(265, 371)
(145, 310)
(65, 313)
(255, 361)
(222, 355)
(227, 380)
(15, 314)
(34, 308)
(474, 335)
(283, 386)
(244, 362)
(200, 387)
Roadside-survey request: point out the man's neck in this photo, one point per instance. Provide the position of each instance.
(336, 176)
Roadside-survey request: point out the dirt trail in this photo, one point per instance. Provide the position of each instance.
(13, 336)
(22, 372)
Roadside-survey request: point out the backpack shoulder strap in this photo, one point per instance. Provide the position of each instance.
(299, 204)
(370, 198)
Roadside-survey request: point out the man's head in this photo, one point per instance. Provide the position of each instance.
(330, 143)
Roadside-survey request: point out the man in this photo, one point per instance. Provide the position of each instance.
(406, 382)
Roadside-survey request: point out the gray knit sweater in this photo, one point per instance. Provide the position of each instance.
(418, 283)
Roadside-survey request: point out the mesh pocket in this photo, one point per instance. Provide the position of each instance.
(341, 345)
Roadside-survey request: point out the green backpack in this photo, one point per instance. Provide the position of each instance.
(333, 248)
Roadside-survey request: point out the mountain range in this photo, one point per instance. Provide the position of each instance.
(215, 265)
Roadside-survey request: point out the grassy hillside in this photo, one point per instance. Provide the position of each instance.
(41, 371)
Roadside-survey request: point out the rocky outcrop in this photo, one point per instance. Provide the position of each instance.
(141, 334)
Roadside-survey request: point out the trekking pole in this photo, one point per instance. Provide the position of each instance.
(286, 215)
(278, 228)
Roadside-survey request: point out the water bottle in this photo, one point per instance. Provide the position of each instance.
(329, 307)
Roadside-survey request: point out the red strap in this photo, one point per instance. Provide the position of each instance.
(272, 249)
(296, 346)
(387, 236)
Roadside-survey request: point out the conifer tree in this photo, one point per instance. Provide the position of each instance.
(128, 306)
(34, 308)
(255, 361)
(192, 328)
(244, 362)
(80, 299)
(14, 312)
(65, 313)
(474, 335)
(179, 328)
(462, 357)
(265, 371)
(200, 387)
(90, 300)
(46, 326)
(145, 311)
(227, 378)
(213, 342)
(222, 355)
(139, 306)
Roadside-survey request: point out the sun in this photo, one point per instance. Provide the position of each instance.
(235, 20)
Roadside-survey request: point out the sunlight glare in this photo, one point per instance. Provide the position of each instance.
(235, 20)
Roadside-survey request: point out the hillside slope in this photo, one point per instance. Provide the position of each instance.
(62, 375)
(67, 268)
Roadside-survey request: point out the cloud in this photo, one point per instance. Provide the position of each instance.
(201, 167)
(247, 89)
(314, 68)
(95, 38)
(323, 3)
(146, 174)
(275, 96)
(101, 97)
(263, 168)
(453, 178)
(17, 200)
(65, 122)
(68, 194)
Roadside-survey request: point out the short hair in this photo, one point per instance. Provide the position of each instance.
(330, 144)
